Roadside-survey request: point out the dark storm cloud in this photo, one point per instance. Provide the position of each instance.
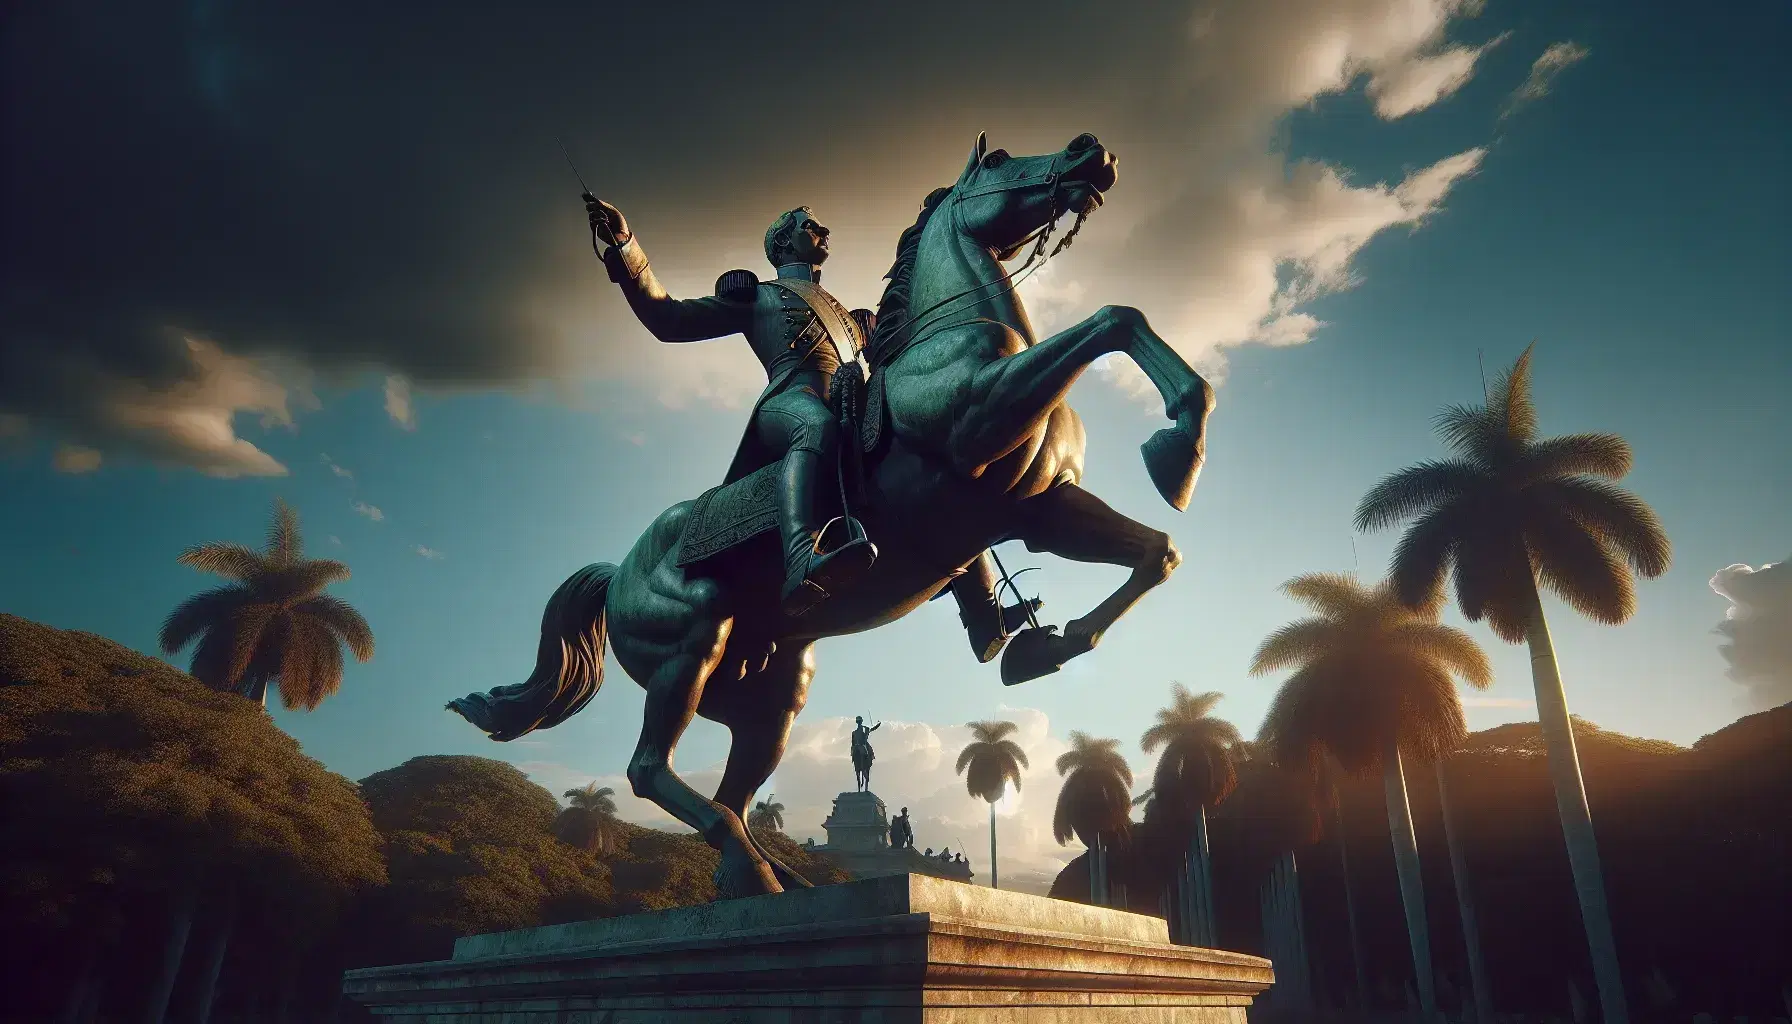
(207, 203)
(1758, 627)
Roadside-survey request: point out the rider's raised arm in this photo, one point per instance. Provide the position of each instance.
(671, 319)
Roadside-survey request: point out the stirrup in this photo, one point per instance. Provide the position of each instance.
(840, 554)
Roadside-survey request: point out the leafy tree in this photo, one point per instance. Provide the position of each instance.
(1095, 803)
(272, 622)
(589, 821)
(766, 816)
(1196, 772)
(1509, 512)
(989, 763)
(1372, 684)
(140, 803)
(471, 848)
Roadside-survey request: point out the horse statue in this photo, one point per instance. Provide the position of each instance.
(966, 442)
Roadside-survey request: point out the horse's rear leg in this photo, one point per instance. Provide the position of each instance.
(1072, 523)
(670, 634)
(759, 711)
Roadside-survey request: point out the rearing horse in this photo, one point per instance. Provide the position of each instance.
(980, 448)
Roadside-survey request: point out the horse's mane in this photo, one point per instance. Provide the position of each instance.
(892, 309)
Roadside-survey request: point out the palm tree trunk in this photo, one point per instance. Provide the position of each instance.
(1412, 885)
(174, 947)
(995, 881)
(211, 952)
(1577, 820)
(1201, 930)
(1356, 935)
(1465, 905)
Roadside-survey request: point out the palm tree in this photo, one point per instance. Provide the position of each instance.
(1197, 771)
(1510, 511)
(989, 763)
(589, 820)
(767, 815)
(1095, 804)
(1372, 685)
(272, 622)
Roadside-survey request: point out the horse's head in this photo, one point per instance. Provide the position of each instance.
(1002, 202)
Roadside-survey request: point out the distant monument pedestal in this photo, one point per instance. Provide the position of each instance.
(859, 842)
(897, 950)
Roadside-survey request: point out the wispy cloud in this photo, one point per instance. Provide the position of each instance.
(334, 540)
(398, 402)
(334, 468)
(75, 459)
(370, 511)
(430, 553)
(1558, 58)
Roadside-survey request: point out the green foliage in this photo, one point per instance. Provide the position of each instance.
(991, 761)
(273, 621)
(122, 774)
(766, 815)
(589, 820)
(1511, 510)
(471, 849)
(1198, 767)
(1096, 799)
(1371, 672)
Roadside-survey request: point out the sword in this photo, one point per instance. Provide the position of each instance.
(584, 194)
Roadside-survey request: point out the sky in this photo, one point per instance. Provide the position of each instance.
(334, 255)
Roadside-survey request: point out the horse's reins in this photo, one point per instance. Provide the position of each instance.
(1009, 281)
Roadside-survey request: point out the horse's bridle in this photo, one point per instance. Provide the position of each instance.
(1011, 280)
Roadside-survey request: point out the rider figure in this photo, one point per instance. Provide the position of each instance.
(791, 420)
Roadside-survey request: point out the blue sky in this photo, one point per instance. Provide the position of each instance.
(1632, 222)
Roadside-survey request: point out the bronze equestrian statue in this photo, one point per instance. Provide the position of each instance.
(862, 754)
(964, 440)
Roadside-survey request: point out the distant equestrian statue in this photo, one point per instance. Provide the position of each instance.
(862, 754)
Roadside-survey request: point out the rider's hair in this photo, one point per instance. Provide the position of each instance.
(778, 236)
(892, 309)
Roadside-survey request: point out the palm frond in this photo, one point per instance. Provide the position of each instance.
(1511, 402)
(1335, 595)
(1572, 562)
(1297, 643)
(1422, 558)
(232, 561)
(342, 620)
(1473, 432)
(1612, 515)
(313, 575)
(285, 546)
(1606, 455)
(199, 613)
(1447, 646)
(1415, 491)
(970, 753)
(991, 732)
(311, 670)
(252, 622)
(1098, 755)
(1493, 578)
(1012, 752)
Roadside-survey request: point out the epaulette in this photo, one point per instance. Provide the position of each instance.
(737, 286)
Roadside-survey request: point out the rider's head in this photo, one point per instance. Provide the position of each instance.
(860, 720)
(796, 237)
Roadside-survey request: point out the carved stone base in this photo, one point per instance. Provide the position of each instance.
(908, 949)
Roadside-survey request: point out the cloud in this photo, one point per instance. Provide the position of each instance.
(72, 458)
(1758, 626)
(430, 553)
(334, 540)
(1554, 60)
(334, 468)
(370, 511)
(398, 402)
(312, 249)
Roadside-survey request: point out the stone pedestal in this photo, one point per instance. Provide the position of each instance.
(860, 822)
(899, 950)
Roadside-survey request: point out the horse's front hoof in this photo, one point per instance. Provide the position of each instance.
(1173, 458)
(1033, 653)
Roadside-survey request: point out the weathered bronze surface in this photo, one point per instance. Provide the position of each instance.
(975, 446)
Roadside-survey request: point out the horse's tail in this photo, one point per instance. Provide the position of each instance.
(569, 663)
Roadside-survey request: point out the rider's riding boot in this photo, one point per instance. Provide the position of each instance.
(819, 561)
(987, 627)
